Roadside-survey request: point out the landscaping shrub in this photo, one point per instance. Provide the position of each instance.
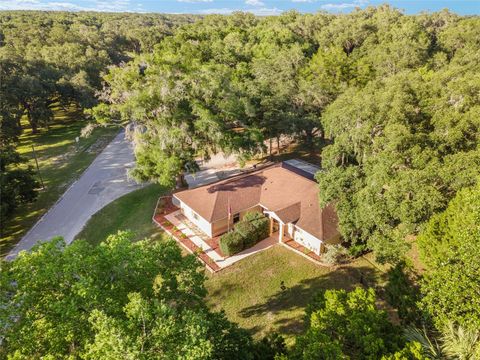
(260, 224)
(253, 228)
(231, 243)
(357, 250)
(334, 254)
(248, 232)
(252, 216)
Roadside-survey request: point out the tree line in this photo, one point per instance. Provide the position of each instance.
(391, 100)
(52, 59)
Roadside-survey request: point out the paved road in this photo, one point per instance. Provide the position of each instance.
(104, 181)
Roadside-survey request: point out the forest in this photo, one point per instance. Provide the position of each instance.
(389, 102)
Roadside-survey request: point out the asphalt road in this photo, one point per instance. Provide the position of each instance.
(104, 181)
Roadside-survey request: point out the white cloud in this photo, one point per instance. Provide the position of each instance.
(265, 11)
(343, 6)
(257, 11)
(254, 2)
(221, 11)
(96, 5)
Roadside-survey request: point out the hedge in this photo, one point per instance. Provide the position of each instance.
(231, 243)
(248, 232)
(253, 228)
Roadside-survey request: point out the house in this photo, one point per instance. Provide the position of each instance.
(285, 192)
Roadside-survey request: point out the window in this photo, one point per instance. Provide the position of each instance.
(236, 218)
(195, 216)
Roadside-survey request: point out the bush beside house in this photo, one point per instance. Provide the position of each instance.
(253, 228)
(231, 243)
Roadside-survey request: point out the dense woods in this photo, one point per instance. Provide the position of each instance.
(57, 59)
(393, 100)
(390, 102)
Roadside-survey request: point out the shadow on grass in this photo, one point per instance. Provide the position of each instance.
(301, 294)
(223, 292)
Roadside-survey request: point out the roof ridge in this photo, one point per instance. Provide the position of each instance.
(214, 206)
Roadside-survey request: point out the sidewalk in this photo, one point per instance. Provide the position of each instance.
(170, 221)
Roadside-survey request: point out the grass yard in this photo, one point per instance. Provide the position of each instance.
(251, 291)
(61, 161)
(132, 211)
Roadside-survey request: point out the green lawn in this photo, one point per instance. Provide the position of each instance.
(61, 162)
(250, 291)
(130, 212)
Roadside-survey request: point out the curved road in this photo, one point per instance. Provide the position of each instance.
(104, 181)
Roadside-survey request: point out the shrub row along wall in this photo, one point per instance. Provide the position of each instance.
(253, 228)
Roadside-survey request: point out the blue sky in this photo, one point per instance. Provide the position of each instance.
(259, 7)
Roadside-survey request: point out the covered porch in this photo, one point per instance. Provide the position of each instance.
(278, 229)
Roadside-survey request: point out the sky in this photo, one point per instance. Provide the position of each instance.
(258, 7)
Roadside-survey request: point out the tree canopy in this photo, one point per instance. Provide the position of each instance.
(120, 299)
(450, 244)
(394, 98)
(347, 325)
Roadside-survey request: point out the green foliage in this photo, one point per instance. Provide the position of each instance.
(247, 232)
(392, 98)
(403, 293)
(17, 184)
(411, 351)
(453, 342)
(449, 245)
(56, 57)
(253, 228)
(231, 243)
(460, 343)
(270, 347)
(346, 325)
(430, 347)
(120, 299)
(334, 254)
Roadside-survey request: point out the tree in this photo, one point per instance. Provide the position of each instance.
(449, 245)
(185, 99)
(345, 325)
(119, 299)
(58, 57)
(17, 182)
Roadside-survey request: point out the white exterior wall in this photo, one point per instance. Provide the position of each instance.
(200, 222)
(307, 240)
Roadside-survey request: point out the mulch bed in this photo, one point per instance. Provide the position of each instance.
(296, 246)
(214, 243)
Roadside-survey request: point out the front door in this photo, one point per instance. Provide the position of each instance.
(276, 225)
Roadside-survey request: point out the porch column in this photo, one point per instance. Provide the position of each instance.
(280, 233)
(271, 226)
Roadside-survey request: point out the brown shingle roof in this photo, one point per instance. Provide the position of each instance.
(289, 213)
(291, 196)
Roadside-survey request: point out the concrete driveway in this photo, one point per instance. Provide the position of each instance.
(104, 181)
(217, 168)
